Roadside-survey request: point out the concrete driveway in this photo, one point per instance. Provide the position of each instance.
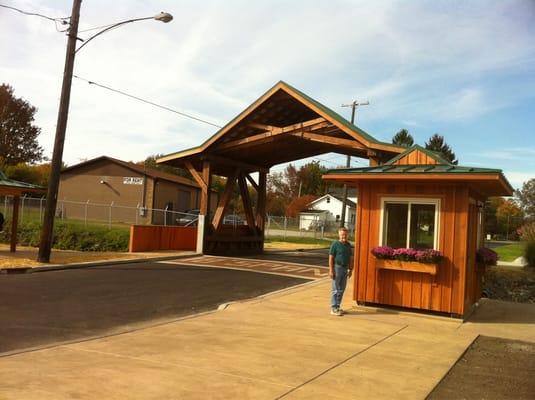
(284, 345)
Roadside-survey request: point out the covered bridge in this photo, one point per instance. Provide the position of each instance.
(283, 125)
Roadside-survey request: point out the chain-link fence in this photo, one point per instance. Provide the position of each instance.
(32, 209)
(316, 227)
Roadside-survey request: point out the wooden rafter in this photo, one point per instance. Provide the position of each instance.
(223, 202)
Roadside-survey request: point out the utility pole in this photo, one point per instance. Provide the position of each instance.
(353, 106)
(55, 167)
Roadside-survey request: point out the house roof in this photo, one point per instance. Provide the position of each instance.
(283, 125)
(10, 186)
(349, 202)
(153, 173)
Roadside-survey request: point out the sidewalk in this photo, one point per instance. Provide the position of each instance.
(25, 257)
(284, 345)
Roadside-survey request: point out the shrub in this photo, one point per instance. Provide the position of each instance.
(486, 256)
(72, 236)
(529, 253)
(527, 232)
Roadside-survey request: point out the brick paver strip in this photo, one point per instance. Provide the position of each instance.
(270, 267)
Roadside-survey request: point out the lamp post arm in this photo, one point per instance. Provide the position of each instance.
(109, 28)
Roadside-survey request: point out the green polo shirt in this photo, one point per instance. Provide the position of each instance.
(342, 253)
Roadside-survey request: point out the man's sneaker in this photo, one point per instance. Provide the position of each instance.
(342, 312)
(336, 311)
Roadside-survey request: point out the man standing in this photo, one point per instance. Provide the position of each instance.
(340, 268)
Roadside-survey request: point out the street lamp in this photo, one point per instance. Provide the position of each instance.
(45, 244)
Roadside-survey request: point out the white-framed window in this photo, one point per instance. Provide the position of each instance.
(409, 222)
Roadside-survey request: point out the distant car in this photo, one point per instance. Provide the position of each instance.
(188, 218)
(233, 219)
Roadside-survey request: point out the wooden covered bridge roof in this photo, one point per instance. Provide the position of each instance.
(283, 125)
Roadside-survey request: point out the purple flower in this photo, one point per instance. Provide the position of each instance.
(383, 252)
(429, 256)
(425, 256)
(486, 256)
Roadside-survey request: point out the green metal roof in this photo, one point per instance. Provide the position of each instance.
(434, 155)
(322, 107)
(5, 181)
(339, 118)
(412, 169)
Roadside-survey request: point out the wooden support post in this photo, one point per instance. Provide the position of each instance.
(223, 202)
(14, 224)
(204, 208)
(246, 199)
(261, 202)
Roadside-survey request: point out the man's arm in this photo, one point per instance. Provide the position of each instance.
(350, 267)
(331, 266)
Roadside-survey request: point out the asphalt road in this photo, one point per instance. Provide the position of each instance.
(43, 308)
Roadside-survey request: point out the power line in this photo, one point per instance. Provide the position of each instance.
(62, 20)
(148, 102)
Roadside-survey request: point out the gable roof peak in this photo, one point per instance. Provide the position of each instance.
(416, 147)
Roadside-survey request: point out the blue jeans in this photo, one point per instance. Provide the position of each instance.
(338, 285)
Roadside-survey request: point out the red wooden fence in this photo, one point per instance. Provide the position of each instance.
(155, 237)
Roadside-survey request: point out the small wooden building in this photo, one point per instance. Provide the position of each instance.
(10, 187)
(419, 200)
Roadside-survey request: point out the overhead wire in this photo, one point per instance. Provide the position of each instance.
(148, 102)
(61, 20)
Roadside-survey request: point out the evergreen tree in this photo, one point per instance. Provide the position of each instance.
(403, 138)
(437, 144)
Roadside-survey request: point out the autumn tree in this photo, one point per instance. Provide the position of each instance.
(18, 134)
(403, 138)
(437, 144)
(526, 198)
(284, 187)
(34, 174)
(299, 204)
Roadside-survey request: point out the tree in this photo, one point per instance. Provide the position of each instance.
(403, 138)
(299, 204)
(526, 198)
(150, 162)
(34, 174)
(18, 135)
(310, 180)
(437, 144)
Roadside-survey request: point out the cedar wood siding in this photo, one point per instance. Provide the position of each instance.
(416, 157)
(446, 291)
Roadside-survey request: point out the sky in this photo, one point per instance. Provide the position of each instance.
(463, 69)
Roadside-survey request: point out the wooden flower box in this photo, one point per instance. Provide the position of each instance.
(410, 266)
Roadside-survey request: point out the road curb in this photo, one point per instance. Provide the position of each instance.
(59, 267)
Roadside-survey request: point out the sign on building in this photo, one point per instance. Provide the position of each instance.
(131, 180)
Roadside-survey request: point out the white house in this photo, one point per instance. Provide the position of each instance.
(326, 211)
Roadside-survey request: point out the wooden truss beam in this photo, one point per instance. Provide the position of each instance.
(235, 164)
(306, 126)
(315, 137)
(252, 182)
(223, 202)
(247, 206)
(198, 178)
